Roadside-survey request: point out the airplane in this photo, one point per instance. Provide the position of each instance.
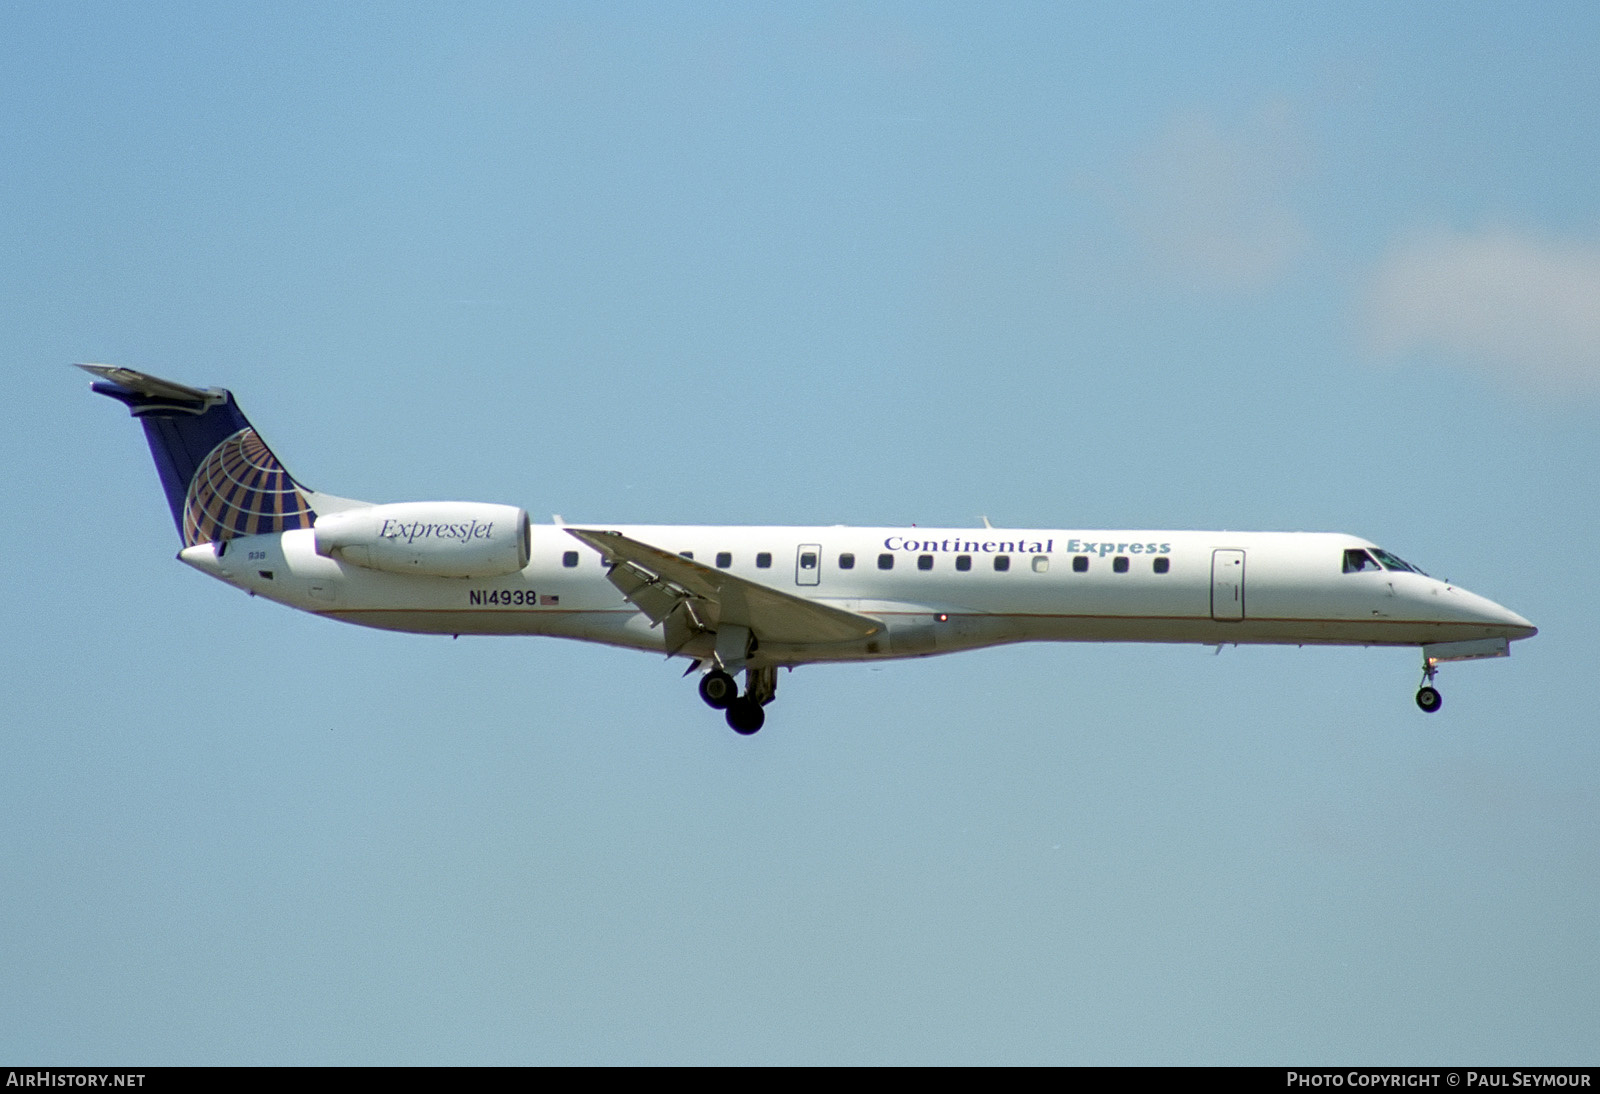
(757, 599)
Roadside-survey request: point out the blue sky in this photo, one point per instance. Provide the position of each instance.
(1319, 268)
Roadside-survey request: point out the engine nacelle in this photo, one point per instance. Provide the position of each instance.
(432, 538)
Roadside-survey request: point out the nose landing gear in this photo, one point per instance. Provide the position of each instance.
(1428, 697)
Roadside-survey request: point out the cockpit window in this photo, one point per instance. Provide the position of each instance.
(1394, 562)
(1358, 561)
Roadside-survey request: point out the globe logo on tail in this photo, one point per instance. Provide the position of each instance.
(242, 490)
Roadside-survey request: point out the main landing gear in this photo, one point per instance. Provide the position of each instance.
(718, 689)
(1428, 697)
(743, 712)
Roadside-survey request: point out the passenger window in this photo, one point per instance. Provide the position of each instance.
(1162, 565)
(764, 560)
(885, 561)
(808, 560)
(1358, 561)
(1002, 563)
(924, 562)
(724, 559)
(963, 563)
(570, 559)
(688, 555)
(1041, 563)
(1080, 564)
(1119, 565)
(847, 561)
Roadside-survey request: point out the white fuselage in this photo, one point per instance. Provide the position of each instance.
(940, 592)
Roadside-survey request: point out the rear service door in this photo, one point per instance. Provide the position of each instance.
(1227, 585)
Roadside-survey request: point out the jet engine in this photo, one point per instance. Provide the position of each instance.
(432, 538)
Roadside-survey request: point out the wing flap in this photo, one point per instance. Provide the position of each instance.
(693, 598)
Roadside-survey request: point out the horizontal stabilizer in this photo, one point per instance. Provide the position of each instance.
(153, 387)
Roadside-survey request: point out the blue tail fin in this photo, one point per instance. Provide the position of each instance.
(221, 479)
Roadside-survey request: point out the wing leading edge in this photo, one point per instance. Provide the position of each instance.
(687, 598)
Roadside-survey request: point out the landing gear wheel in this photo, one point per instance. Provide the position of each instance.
(718, 689)
(1429, 699)
(746, 716)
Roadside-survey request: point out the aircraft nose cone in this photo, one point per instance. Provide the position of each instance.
(1521, 627)
(1502, 618)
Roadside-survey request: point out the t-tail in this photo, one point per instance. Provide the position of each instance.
(220, 478)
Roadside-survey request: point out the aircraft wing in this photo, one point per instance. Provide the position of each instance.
(690, 598)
